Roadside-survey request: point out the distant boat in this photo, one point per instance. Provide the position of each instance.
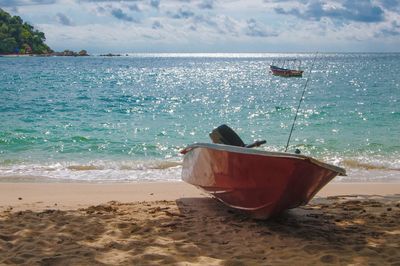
(258, 182)
(287, 71)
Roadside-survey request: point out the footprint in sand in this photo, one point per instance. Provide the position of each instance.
(312, 249)
(328, 259)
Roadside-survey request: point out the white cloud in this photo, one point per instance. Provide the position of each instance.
(63, 19)
(213, 25)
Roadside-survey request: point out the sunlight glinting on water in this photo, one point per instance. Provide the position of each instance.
(150, 106)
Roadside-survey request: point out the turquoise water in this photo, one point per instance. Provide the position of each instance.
(126, 118)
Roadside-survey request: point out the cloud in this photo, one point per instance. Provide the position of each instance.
(134, 7)
(101, 9)
(156, 25)
(129, 12)
(230, 25)
(388, 32)
(363, 11)
(120, 14)
(349, 10)
(183, 13)
(105, 1)
(254, 29)
(213, 25)
(391, 4)
(206, 20)
(392, 31)
(155, 3)
(14, 3)
(206, 4)
(63, 19)
(14, 9)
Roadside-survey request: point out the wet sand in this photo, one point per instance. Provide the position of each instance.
(176, 224)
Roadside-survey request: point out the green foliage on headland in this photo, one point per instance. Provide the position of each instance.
(18, 37)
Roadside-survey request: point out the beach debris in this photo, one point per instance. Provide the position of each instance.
(168, 213)
(157, 209)
(169, 224)
(99, 209)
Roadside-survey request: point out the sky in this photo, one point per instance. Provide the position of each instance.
(101, 26)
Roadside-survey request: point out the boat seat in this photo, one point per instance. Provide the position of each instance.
(226, 135)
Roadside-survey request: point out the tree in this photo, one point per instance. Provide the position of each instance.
(8, 45)
(18, 36)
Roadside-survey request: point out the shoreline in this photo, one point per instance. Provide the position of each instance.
(74, 195)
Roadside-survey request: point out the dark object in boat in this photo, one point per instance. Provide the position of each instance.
(226, 135)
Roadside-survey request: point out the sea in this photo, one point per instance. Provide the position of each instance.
(126, 118)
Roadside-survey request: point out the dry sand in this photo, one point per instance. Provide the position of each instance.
(174, 223)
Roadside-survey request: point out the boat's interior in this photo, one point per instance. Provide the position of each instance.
(227, 136)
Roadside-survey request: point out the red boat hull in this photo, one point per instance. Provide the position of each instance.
(283, 72)
(257, 182)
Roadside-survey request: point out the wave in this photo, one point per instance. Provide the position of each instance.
(95, 171)
(160, 165)
(350, 163)
(362, 169)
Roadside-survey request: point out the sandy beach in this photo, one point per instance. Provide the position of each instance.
(174, 223)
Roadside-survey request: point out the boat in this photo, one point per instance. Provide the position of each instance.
(258, 182)
(285, 71)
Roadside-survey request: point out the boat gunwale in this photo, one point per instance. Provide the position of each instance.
(276, 68)
(244, 150)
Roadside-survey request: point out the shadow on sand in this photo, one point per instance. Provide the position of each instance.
(202, 231)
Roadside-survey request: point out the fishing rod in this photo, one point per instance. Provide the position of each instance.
(301, 99)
